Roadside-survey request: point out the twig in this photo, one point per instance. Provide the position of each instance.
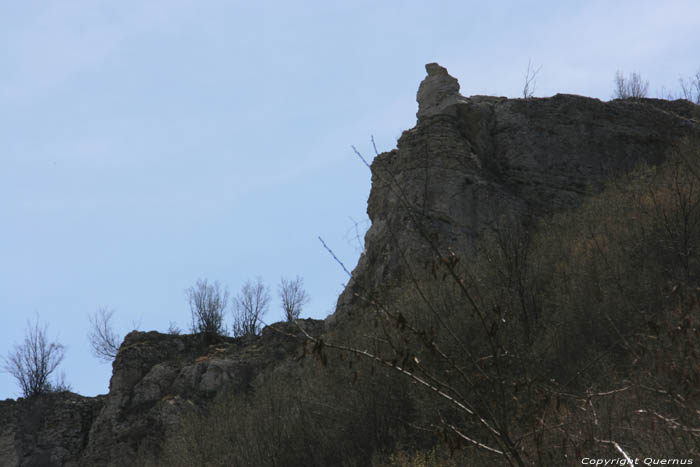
(619, 448)
(471, 440)
(673, 423)
(335, 257)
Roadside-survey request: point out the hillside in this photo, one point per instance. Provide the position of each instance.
(529, 273)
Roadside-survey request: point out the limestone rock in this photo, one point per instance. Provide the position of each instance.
(437, 91)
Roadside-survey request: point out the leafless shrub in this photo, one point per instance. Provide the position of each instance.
(249, 306)
(33, 362)
(293, 297)
(665, 94)
(174, 329)
(289, 419)
(61, 385)
(530, 80)
(632, 87)
(207, 305)
(104, 342)
(690, 88)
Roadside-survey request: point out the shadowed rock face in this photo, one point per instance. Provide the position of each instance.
(467, 162)
(47, 431)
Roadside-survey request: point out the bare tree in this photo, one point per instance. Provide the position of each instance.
(207, 305)
(530, 80)
(33, 362)
(293, 297)
(104, 342)
(249, 307)
(632, 87)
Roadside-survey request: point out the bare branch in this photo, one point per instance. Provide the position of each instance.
(355, 234)
(471, 440)
(690, 88)
(530, 80)
(335, 257)
(104, 342)
(672, 422)
(619, 448)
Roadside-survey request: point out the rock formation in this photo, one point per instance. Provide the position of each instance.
(470, 161)
(467, 162)
(437, 91)
(156, 377)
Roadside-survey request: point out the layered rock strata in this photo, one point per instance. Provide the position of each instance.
(470, 161)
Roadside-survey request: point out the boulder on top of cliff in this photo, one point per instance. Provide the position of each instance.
(437, 91)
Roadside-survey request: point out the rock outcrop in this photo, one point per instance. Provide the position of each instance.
(466, 163)
(156, 378)
(437, 91)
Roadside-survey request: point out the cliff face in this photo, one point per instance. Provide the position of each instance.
(470, 161)
(466, 163)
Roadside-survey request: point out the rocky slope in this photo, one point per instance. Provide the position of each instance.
(467, 162)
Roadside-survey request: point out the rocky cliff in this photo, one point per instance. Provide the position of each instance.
(466, 163)
(470, 161)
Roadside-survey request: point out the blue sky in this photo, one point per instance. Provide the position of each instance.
(144, 145)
